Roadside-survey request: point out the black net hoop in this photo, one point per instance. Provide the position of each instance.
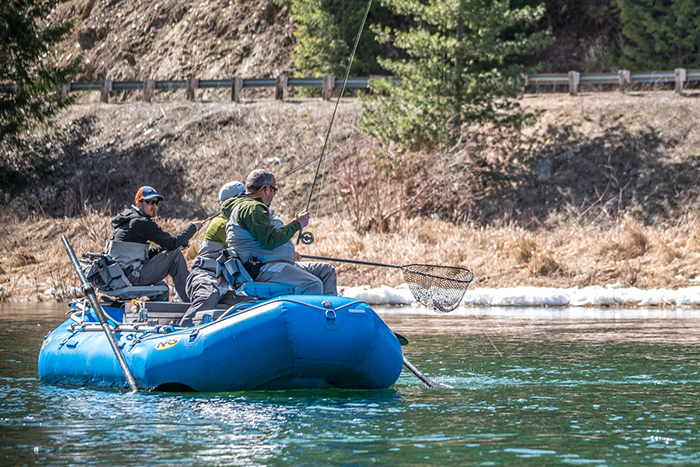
(440, 288)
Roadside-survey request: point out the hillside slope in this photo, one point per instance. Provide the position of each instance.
(131, 40)
(171, 39)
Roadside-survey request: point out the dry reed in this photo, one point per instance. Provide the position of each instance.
(33, 261)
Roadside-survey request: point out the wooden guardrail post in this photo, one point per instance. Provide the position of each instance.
(65, 89)
(149, 87)
(624, 79)
(679, 76)
(328, 87)
(574, 80)
(191, 85)
(236, 88)
(105, 89)
(282, 82)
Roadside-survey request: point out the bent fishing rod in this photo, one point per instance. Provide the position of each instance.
(307, 237)
(337, 148)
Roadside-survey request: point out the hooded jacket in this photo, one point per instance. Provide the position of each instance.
(128, 242)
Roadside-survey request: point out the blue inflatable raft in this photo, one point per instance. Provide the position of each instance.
(287, 342)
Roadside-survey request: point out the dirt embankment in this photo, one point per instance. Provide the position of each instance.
(131, 40)
(601, 190)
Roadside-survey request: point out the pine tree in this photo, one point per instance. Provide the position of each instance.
(325, 34)
(28, 66)
(662, 34)
(463, 67)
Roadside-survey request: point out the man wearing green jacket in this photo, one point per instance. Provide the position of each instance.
(203, 287)
(263, 243)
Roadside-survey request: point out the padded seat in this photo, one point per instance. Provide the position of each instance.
(111, 281)
(152, 292)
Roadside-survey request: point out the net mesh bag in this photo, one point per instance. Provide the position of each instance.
(440, 288)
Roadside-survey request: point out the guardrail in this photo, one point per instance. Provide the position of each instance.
(623, 79)
(573, 80)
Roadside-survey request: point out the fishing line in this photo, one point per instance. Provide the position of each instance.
(308, 238)
(337, 148)
(356, 138)
(476, 315)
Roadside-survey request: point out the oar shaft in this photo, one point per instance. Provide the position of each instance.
(352, 261)
(90, 293)
(429, 383)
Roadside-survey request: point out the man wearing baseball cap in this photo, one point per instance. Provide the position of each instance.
(202, 284)
(128, 244)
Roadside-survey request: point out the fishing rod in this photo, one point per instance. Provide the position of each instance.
(337, 148)
(307, 237)
(211, 217)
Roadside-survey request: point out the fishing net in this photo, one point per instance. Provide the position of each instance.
(440, 288)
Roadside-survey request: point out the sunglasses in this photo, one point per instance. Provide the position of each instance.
(274, 188)
(152, 202)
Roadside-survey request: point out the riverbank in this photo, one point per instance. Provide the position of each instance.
(601, 191)
(618, 256)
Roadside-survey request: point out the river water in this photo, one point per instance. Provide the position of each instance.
(533, 387)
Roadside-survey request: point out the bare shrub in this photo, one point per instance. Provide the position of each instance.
(526, 252)
(523, 249)
(629, 275)
(378, 183)
(542, 263)
(21, 258)
(633, 244)
(369, 195)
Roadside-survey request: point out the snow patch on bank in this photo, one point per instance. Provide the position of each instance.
(539, 296)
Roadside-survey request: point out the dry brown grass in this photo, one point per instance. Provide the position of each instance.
(619, 210)
(33, 260)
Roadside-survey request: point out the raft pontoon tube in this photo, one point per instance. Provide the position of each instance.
(287, 342)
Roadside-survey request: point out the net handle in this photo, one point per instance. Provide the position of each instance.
(353, 261)
(384, 265)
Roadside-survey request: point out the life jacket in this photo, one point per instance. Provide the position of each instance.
(205, 261)
(129, 255)
(246, 246)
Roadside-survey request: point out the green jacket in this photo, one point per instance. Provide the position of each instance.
(252, 215)
(217, 229)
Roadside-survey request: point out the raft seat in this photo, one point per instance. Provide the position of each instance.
(121, 288)
(264, 290)
(109, 279)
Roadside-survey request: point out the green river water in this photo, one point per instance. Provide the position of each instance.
(533, 386)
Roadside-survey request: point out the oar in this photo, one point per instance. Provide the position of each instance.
(429, 383)
(440, 288)
(90, 294)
